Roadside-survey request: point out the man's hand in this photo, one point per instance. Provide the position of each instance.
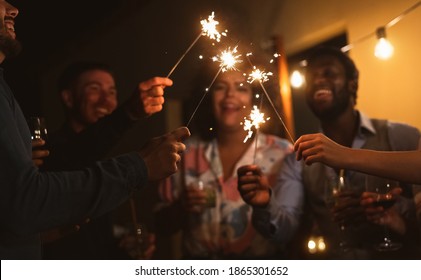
(381, 216)
(253, 185)
(148, 98)
(162, 154)
(347, 209)
(38, 154)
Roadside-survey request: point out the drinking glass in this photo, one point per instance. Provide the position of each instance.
(209, 190)
(381, 187)
(334, 185)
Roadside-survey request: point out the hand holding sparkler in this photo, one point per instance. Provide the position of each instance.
(253, 185)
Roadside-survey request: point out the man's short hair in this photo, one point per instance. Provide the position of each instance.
(72, 72)
(351, 71)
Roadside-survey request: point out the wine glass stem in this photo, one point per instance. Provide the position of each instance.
(342, 243)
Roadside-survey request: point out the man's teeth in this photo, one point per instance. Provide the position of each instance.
(323, 92)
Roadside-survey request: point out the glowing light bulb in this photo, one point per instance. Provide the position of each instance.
(383, 49)
(311, 245)
(297, 79)
(321, 245)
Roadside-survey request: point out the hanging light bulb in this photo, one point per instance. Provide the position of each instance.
(297, 79)
(383, 49)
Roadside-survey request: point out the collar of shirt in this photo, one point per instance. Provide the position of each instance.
(212, 154)
(365, 128)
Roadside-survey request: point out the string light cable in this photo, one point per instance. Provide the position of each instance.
(381, 31)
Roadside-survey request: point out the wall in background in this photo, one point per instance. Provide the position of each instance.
(388, 89)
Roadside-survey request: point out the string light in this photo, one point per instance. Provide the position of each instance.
(383, 49)
(297, 79)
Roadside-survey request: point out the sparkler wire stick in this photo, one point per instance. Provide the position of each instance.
(273, 105)
(257, 133)
(184, 54)
(227, 61)
(209, 30)
(203, 97)
(277, 114)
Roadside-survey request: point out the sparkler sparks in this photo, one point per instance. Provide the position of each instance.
(228, 59)
(209, 28)
(255, 119)
(259, 75)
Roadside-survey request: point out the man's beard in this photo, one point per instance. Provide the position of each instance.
(9, 46)
(338, 107)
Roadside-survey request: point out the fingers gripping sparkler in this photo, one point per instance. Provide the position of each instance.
(209, 30)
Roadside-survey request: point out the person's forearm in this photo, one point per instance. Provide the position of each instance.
(402, 166)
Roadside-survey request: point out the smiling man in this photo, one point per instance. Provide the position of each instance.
(32, 201)
(332, 84)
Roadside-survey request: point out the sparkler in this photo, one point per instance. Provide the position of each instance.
(209, 30)
(263, 77)
(257, 74)
(255, 119)
(276, 112)
(227, 61)
(256, 116)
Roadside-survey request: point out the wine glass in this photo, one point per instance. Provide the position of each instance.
(334, 186)
(381, 187)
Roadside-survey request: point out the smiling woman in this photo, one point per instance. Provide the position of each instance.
(212, 158)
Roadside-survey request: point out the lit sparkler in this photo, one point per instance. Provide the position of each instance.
(259, 75)
(227, 61)
(263, 77)
(209, 30)
(255, 119)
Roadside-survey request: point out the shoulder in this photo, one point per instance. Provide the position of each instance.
(403, 136)
(399, 127)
